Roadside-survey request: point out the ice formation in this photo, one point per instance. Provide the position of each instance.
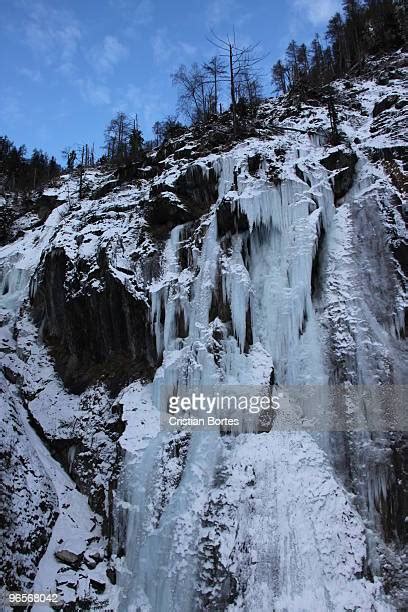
(291, 559)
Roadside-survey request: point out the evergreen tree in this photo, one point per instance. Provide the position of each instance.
(279, 77)
(135, 142)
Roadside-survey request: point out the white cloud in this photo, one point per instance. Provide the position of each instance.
(134, 14)
(143, 13)
(227, 13)
(10, 108)
(148, 103)
(165, 51)
(219, 11)
(96, 94)
(52, 33)
(187, 49)
(317, 12)
(162, 50)
(151, 102)
(31, 74)
(105, 57)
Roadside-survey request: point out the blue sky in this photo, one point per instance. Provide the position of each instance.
(67, 67)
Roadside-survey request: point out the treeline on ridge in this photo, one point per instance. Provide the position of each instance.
(372, 27)
(22, 173)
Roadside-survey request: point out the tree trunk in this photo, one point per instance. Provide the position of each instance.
(233, 101)
(215, 90)
(81, 175)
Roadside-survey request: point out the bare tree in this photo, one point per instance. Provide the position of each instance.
(70, 155)
(216, 70)
(292, 63)
(241, 61)
(195, 92)
(117, 137)
(248, 87)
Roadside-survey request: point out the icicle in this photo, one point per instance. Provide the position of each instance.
(279, 206)
(236, 286)
(160, 293)
(13, 286)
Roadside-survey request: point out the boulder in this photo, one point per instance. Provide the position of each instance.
(68, 557)
(385, 104)
(92, 558)
(98, 584)
(111, 574)
(102, 191)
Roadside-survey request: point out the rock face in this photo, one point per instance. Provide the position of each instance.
(344, 161)
(186, 199)
(102, 191)
(230, 220)
(28, 504)
(98, 329)
(93, 333)
(135, 171)
(164, 212)
(198, 188)
(45, 204)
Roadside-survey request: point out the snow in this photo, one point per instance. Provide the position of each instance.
(75, 526)
(295, 499)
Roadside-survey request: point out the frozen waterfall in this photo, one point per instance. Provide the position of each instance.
(244, 522)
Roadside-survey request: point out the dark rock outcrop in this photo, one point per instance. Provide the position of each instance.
(69, 558)
(45, 204)
(100, 331)
(98, 585)
(197, 188)
(254, 163)
(230, 220)
(384, 104)
(106, 188)
(346, 162)
(135, 171)
(187, 199)
(163, 212)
